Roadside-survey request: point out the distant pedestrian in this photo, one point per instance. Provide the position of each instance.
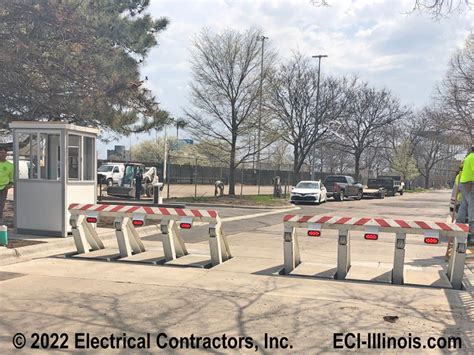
(138, 183)
(6, 179)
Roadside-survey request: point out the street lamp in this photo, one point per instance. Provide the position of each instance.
(261, 38)
(319, 56)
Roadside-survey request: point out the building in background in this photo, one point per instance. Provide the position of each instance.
(119, 153)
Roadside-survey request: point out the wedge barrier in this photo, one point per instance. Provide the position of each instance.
(371, 227)
(170, 220)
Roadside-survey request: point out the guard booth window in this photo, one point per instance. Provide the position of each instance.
(88, 160)
(49, 160)
(39, 156)
(74, 150)
(81, 155)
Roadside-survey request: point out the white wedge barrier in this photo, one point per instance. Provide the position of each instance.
(129, 217)
(432, 231)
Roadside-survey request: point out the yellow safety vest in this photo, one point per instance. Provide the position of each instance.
(467, 174)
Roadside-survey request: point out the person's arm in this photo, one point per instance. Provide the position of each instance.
(10, 177)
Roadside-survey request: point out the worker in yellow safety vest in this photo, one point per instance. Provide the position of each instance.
(466, 187)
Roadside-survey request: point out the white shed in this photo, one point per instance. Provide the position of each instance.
(55, 165)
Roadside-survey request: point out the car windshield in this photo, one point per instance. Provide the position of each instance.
(105, 168)
(308, 185)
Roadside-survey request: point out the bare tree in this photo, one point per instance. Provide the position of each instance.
(440, 8)
(225, 92)
(457, 93)
(434, 143)
(437, 8)
(368, 113)
(299, 117)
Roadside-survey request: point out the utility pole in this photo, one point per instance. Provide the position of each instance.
(165, 157)
(262, 38)
(319, 56)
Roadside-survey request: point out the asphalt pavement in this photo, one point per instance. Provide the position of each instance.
(246, 296)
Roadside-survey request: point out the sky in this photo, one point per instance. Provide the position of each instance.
(381, 41)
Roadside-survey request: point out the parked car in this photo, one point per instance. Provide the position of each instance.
(377, 188)
(394, 184)
(341, 186)
(110, 173)
(308, 191)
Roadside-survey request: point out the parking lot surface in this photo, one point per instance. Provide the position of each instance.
(246, 296)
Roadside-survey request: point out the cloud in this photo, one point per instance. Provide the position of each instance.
(378, 40)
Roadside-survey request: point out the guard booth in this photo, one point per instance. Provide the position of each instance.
(55, 165)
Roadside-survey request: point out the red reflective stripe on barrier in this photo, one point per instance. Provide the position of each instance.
(423, 225)
(402, 224)
(196, 213)
(362, 221)
(148, 210)
(443, 226)
(164, 211)
(180, 212)
(304, 219)
(213, 214)
(116, 208)
(288, 217)
(85, 207)
(381, 222)
(72, 205)
(131, 209)
(323, 219)
(101, 208)
(464, 227)
(342, 220)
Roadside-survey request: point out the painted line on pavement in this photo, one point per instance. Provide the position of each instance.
(255, 215)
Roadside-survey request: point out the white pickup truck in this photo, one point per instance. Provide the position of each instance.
(110, 173)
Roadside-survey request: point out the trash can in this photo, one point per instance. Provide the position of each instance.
(3, 235)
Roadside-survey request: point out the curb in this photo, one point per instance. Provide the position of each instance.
(197, 204)
(15, 255)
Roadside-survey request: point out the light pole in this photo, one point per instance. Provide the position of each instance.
(319, 56)
(259, 134)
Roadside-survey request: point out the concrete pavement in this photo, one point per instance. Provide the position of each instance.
(245, 296)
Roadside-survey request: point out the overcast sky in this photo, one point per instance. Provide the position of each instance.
(379, 40)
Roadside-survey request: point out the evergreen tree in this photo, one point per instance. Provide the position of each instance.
(78, 61)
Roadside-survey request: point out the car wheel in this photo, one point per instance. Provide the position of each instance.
(110, 182)
(401, 193)
(359, 195)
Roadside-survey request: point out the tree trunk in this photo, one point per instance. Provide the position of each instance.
(427, 180)
(295, 165)
(357, 166)
(232, 167)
